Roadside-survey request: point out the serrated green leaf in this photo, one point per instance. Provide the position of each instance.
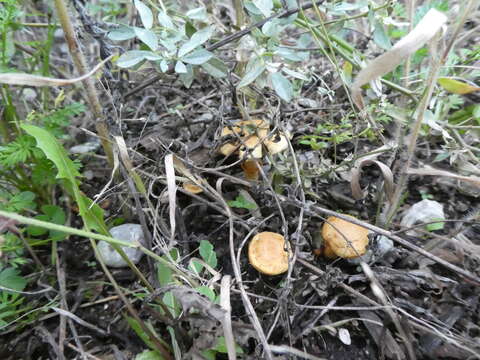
(92, 214)
(197, 57)
(242, 203)
(122, 33)
(207, 253)
(21, 201)
(148, 37)
(197, 39)
(282, 86)
(145, 13)
(10, 278)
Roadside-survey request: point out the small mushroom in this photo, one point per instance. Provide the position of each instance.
(252, 133)
(192, 188)
(343, 238)
(266, 253)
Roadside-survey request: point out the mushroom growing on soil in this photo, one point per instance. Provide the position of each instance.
(343, 238)
(252, 133)
(266, 253)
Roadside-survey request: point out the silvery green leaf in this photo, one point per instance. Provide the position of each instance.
(149, 55)
(121, 33)
(272, 28)
(251, 74)
(216, 68)
(180, 68)
(199, 13)
(146, 14)
(168, 45)
(252, 9)
(295, 74)
(187, 77)
(197, 57)
(196, 40)
(265, 6)
(291, 54)
(282, 86)
(380, 37)
(131, 58)
(165, 20)
(164, 65)
(148, 37)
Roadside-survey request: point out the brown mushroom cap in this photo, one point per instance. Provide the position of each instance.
(356, 235)
(266, 253)
(192, 188)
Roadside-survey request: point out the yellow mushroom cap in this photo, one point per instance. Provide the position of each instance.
(275, 147)
(192, 188)
(266, 253)
(246, 130)
(252, 143)
(356, 235)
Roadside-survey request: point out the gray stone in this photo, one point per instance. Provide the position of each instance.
(422, 212)
(131, 233)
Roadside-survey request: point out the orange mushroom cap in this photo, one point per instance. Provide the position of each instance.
(266, 253)
(344, 238)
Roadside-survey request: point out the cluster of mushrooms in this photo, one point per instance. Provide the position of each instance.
(269, 253)
(248, 138)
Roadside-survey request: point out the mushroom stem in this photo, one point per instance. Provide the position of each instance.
(251, 169)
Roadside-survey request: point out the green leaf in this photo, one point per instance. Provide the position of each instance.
(121, 33)
(216, 68)
(196, 40)
(195, 266)
(91, 214)
(252, 73)
(282, 86)
(265, 6)
(180, 68)
(20, 202)
(199, 13)
(164, 273)
(165, 20)
(148, 37)
(131, 58)
(171, 303)
(149, 355)
(208, 253)
(242, 203)
(380, 36)
(435, 226)
(456, 86)
(291, 54)
(205, 290)
(197, 57)
(10, 278)
(476, 113)
(146, 14)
